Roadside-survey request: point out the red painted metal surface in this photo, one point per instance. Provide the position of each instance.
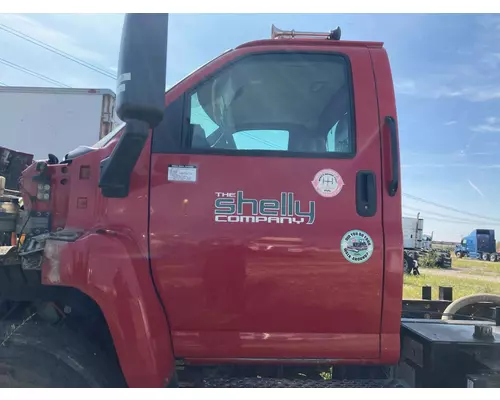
(230, 292)
(393, 230)
(227, 297)
(112, 266)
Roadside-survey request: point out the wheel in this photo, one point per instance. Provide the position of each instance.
(407, 264)
(446, 262)
(493, 257)
(440, 259)
(39, 355)
(485, 256)
(459, 254)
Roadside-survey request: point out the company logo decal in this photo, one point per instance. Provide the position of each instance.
(356, 246)
(235, 208)
(328, 183)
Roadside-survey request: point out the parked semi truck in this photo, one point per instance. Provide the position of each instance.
(480, 244)
(417, 244)
(43, 120)
(138, 260)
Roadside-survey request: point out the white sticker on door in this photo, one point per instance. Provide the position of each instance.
(182, 173)
(328, 183)
(356, 246)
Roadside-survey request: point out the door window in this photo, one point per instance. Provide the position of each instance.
(287, 103)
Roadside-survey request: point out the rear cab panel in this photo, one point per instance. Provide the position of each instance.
(259, 247)
(392, 213)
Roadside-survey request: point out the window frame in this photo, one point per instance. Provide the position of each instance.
(186, 133)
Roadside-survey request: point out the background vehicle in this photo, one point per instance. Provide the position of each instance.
(416, 245)
(147, 256)
(480, 244)
(43, 120)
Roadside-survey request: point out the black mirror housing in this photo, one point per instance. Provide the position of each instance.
(140, 96)
(142, 68)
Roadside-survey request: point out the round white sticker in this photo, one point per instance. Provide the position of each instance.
(356, 246)
(328, 183)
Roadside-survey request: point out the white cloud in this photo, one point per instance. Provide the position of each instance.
(486, 128)
(491, 124)
(430, 87)
(450, 123)
(418, 165)
(475, 188)
(476, 78)
(492, 120)
(405, 86)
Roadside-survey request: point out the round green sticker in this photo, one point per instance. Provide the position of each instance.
(356, 246)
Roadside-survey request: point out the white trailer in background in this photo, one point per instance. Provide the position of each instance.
(413, 229)
(40, 120)
(416, 244)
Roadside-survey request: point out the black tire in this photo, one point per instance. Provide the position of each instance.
(485, 256)
(493, 257)
(459, 254)
(407, 264)
(446, 262)
(40, 355)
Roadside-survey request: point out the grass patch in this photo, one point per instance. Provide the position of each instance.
(476, 266)
(461, 286)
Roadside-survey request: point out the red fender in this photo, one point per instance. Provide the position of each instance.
(111, 269)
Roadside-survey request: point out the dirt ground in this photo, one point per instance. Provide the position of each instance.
(458, 272)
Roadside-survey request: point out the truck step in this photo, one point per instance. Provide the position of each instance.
(296, 383)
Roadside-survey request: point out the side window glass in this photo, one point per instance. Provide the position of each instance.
(330, 138)
(200, 118)
(297, 103)
(261, 140)
(338, 138)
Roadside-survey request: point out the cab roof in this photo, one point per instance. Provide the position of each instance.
(309, 42)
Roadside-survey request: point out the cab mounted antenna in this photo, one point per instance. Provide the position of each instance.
(277, 33)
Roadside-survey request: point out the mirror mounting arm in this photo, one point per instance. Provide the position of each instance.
(116, 170)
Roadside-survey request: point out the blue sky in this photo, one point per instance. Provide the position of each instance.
(446, 70)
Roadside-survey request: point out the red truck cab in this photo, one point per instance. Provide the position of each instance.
(259, 221)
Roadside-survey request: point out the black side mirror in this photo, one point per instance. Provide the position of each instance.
(140, 96)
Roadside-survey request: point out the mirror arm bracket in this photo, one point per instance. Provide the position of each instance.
(116, 170)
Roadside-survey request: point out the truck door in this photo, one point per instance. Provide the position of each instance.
(266, 235)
